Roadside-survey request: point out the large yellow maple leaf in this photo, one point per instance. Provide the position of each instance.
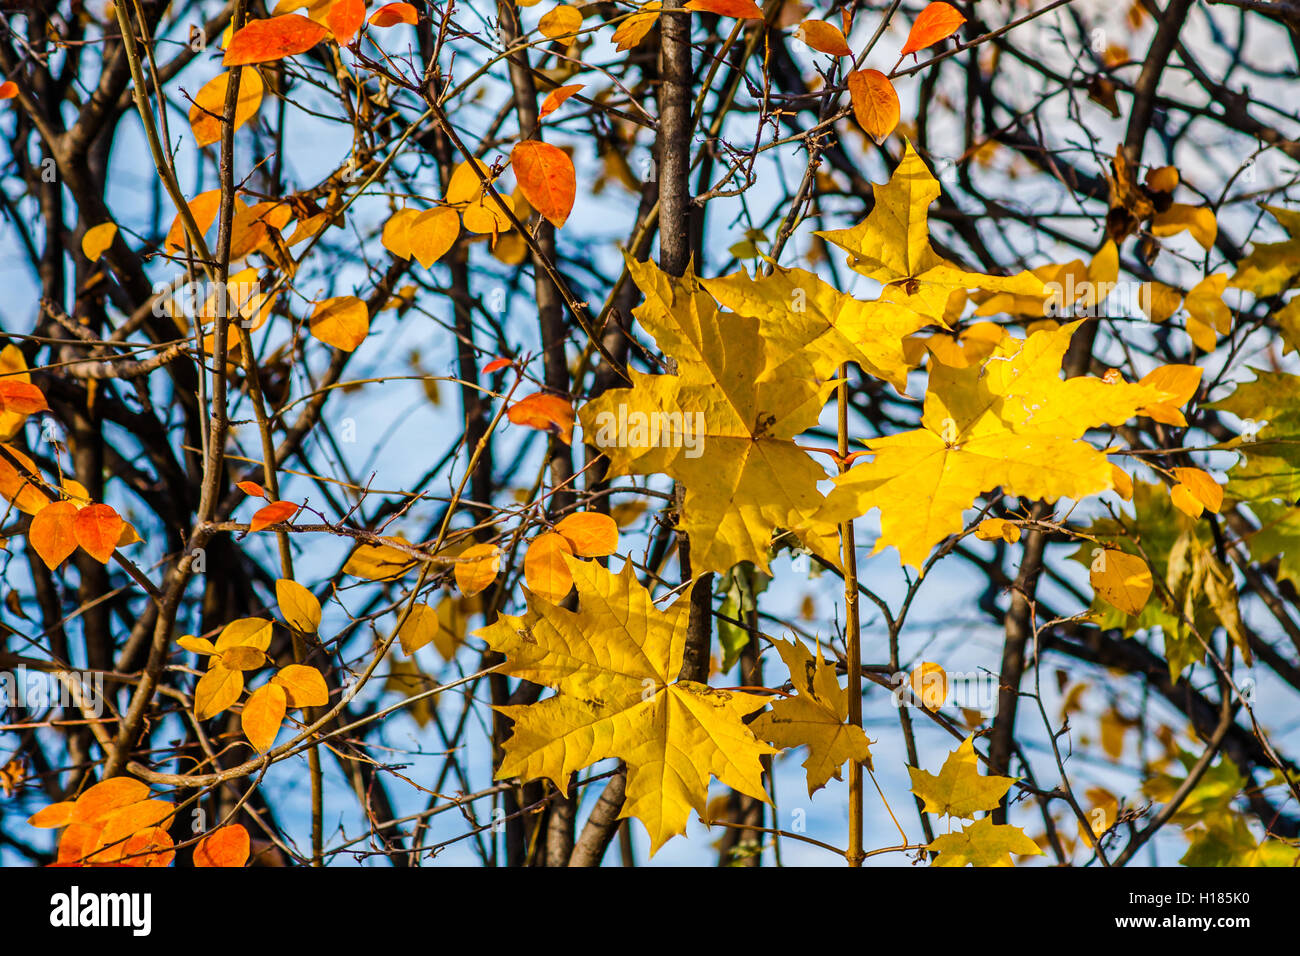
(816, 718)
(801, 316)
(892, 246)
(1009, 422)
(723, 426)
(615, 663)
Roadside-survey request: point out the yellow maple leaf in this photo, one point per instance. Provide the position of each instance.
(959, 790)
(615, 663)
(816, 718)
(1009, 422)
(983, 843)
(800, 315)
(723, 426)
(892, 246)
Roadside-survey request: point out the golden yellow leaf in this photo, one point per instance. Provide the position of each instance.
(210, 104)
(466, 183)
(253, 631)
(634, 29)
(1008, 422)
(432, 233)
(722, 426)
(615, 664)
(983, 843)
(343, 322)
(1122, 580)
(379, 562)
(477, 567)
(1198, 220)
(892, 246)
(959, 790)
(562, 21)
(298, 606)
(303, 685)
(97, 240)
(1202, 486)
(817, 717)
(997, 529)
(396, 237)
(216, 690)
(241, 657)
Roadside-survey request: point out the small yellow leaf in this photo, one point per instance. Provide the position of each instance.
(465, 184)
(253, 631)
(198, 645)
(97, 240)
(1122, 580)
(304, 685)
(396, 238)
(1123, 483)
(298, 606)
(343, 322)
(210, 104)
(634, 29)
(929, 683)
(1202, 486)
(995, 529)
(431, 233)
(477, 567)
(241, 657)
(1185, 500)
(562, 21)
(1198, 220)
(216, 690)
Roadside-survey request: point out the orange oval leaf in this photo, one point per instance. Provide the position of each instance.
(263, 714)
(225, 847)
(936, 22)
(875, 104)
(592, 534)
(548, 413)
(391, 14)
(546, 178)
(51, 532)
(476, 568)
(544, 568)
(21, 398)
(740, 9)
(274, 513)
(557, 97)
(97, 529)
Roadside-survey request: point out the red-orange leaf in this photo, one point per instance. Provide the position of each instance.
(740, 9)
(496, 365)
(51, 532)
(274, 513)
(556, 97)
(8, 90)
(97, 529)
(345, 19)
(227, 846)
(546, 178)
(251, 488)
(391, 14)
(548, 413)
(264, 41)
(22, 398)
(875, 104)
(936, 22)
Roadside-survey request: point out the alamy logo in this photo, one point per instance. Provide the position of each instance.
(37, 690)
(76, 909)
(638, 429)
